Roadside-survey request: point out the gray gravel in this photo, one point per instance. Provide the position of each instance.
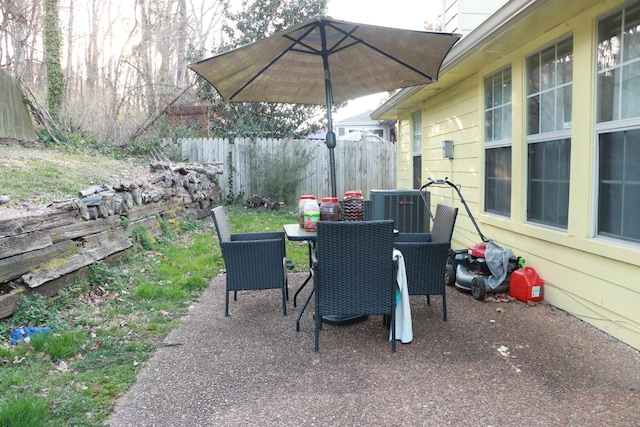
(490, 364)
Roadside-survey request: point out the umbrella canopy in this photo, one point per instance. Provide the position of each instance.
(322, 61)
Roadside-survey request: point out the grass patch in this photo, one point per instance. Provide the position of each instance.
(42, 175)
(24, 411)
(105, 327)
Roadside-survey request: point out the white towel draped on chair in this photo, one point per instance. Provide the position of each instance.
(404, 329)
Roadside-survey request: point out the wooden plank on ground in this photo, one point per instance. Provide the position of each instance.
(37, 222)
(8, 302)
(151, 209)
(17, 265)
(74, 262)
(13, 245)
(83, 228)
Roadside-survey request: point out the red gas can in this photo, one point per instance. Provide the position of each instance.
(525, 285)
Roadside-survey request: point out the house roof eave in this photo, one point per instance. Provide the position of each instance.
(504, 19)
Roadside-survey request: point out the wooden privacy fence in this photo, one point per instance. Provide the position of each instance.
(359, 165)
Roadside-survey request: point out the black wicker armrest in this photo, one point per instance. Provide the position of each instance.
(258, 236)
(251, 251)
(413, 237)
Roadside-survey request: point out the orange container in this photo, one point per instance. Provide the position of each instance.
(525, 285)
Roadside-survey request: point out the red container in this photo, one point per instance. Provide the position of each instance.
(525, 285)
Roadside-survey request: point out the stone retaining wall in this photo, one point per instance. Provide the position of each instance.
(44, 249)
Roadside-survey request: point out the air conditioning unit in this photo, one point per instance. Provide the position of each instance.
(404, 207)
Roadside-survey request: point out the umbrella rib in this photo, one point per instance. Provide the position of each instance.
(248, 82)
(411, 67)
(313, 50)
(369, 45)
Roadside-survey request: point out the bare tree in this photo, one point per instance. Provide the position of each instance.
(123, 61)
(20, 28)
(52, 41)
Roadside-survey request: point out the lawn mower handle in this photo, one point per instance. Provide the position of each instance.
(464, 203)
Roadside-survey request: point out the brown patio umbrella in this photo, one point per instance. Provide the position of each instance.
(322, 61)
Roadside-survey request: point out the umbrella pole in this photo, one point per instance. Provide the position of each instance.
(331, 137)
(331, 143)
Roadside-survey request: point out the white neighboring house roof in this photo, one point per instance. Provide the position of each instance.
(362, 136)
(361, 119)
(321, 134)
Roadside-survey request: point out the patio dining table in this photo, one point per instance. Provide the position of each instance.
(295, 233)
(404, 329)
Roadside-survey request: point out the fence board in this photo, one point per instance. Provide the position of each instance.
(359, 165)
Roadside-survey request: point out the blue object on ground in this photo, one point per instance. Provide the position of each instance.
(21, 334)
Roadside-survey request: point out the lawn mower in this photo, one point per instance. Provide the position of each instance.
(482, 268)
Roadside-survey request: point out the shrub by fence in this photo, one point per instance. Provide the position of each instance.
(248, 163)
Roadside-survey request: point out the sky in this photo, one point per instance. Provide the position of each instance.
(405, 14)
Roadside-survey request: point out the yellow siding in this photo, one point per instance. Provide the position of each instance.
(404, 155)
(595, 279)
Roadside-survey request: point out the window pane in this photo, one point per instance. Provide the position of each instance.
(609, 204)
(536, 161)
(488, 126)
(630, 223)
(548, 182)
(488, 93)
(619, 73)
(549, 202)
(547, 112)
(497, 91)
(417, 171)
(564, 154)
(498, 180)
(563, 114)
(506, 86)
(631, 47)
(630, 87)
(533, 115)
(563, 203)
(548, 68)
(632, 158)
(609, 39)
(555, 70)
(551, 160)
(534, 205)
(619, 185)
(611, 156)
(498, 100)
(497, 124)
(416, 120)
(506, 122)
(565, 62)
(533, 74)
(607, 96)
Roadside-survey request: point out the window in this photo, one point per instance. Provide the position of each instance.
(416, 150)
(619, 189)
(497, 196)
(549, 99)
(497, 140)
(548, 192)
(618, 124)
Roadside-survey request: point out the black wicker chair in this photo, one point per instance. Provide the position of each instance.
(354, 271)
(253, 260)
(425, 256)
